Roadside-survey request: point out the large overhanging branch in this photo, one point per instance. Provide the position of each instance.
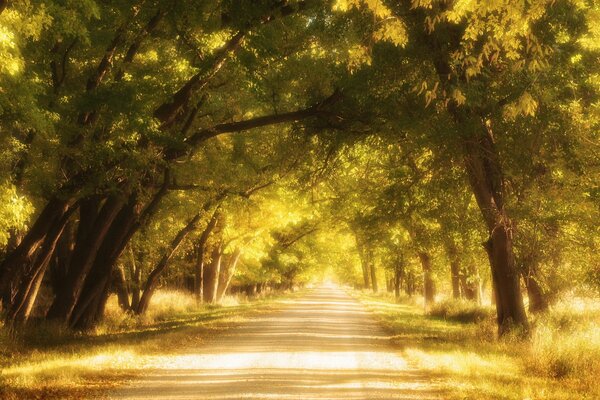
(202, 135)
(266, 120)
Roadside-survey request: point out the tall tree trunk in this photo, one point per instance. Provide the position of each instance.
(410, 284)
(22, 301)
(373, 272)
(121, 288)
(93, 227)
(87, 310)
(537, 298)
(398, 275)
(226, 273)
(470, 283)
(152, 281)
(211, 276)
(428, 282)
(198, 276)
(487, 182)
(201, 249)
(365, 271)
(454, 268)
(18, 262)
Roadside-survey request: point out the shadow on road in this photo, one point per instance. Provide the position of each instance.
(321, 346)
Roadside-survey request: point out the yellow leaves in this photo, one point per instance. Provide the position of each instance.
(11, 62)
(459, 97)
(377, 7)
(343, 5)
(358, 55)
(430, 94)
(421, 3)
(525, 105)
(393, 31)
(15, 210)
(389, 27)
(493, 31)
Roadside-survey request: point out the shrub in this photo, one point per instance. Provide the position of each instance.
(460, 310)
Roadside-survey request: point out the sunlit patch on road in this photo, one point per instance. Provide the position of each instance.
(322, 346)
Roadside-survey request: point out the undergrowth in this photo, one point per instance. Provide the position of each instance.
(461, 311)
(457, 344)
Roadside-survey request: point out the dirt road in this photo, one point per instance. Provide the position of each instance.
(324, 345)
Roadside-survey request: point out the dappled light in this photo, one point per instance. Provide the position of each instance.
(345, 199)
(323, 345)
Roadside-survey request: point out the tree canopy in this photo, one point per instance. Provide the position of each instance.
(428, 146)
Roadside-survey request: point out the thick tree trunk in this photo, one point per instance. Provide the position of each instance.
(226, 273)
(428, 282)
(136, 287)
(17, 263)
(487, 182)
(93, 228)
(22, 299)
(364, 260)
(87, 311)
(211, 276)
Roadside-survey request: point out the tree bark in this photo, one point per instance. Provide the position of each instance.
(18, 262)
(152, 281)
(121, 288)
(373, 272)
(454, 269)
(537, 299)
(428, 282)
(21, 303)
(398, 275)
(364, 261)
(90, 237)
(201, 249)
(487, 182)
(226, 273)
(86, 312)
(211, 276)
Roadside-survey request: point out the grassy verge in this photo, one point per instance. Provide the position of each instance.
(561, 361)
(46, 362)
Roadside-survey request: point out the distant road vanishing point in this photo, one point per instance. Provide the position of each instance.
(324, 345)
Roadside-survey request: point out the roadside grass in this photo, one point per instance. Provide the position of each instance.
(49, 362)
(561, 360)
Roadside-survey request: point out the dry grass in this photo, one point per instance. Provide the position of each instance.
(47, 362)
(560, 361)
